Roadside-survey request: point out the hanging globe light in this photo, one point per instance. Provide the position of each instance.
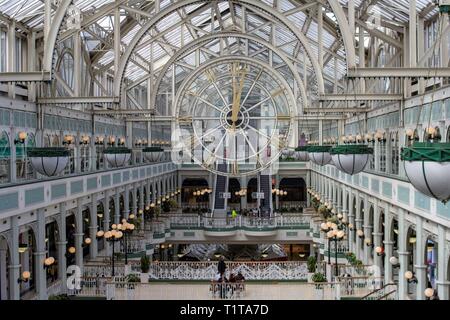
(117, 156)
(319, 155)
(49, 161)
(301, 153)
(153, 154)
(427, 166)
(287, 153)
(351, 159)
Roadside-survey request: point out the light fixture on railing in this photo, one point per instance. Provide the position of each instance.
(350, 139)
(379, 251)
(138, 143)
(359, 138)
(368, 242)
(350, 226)
(48, 262)
(121, 142)
(429, 292)
(410, 276)
(111, 141)
(369, 137)
(394, 261)
(360, 233)
(25, 277)
(23, 247)
(99, 141)
(22, 136)
(410, 134)
(84, 140)
(380, 136)
(68, 139)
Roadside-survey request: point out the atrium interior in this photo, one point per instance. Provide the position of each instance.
(224, 149)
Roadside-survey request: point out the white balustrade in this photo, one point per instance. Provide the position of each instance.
(165, 270)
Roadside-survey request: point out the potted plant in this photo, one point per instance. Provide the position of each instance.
(145, 267)
(312, 265)
(49, 161)
(319, 278)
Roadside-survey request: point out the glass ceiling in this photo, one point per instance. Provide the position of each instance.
(30, 13)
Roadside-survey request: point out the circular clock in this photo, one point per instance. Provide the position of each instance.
(234, 116)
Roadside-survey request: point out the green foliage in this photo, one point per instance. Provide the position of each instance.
(145, 264)
(116, 150)
(311, 263)
(48, 152)
(165, 206)
(133, 278)
(172, 203)
(318, 277)
(351, 258)
(118, 256)
(58, 297)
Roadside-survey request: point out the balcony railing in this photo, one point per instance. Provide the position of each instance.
(242, 222)
(167, 270)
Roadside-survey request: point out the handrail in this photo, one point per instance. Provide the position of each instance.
(386, 295)
(377, 290)
(78, 174)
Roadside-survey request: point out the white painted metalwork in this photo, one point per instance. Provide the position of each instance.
(163, 270)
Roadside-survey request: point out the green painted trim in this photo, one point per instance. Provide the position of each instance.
(153, 149)
(302, 148)
(220, 229)
(319, 148)
(352, 149)
(425, 151)
(116, 150)
(49, 152)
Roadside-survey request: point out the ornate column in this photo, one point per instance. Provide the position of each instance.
(402, 255)
(388, 245)
(40, 255)
(351, 220)
(421, 268)
(126, 202)
(106, 222)
(377, 236)
(358, 226)
(134, 200)
(79, 234)
(14, 267)
(117, 206)
(367, 231)
(93, 227)
(441, 282)
(62, 247)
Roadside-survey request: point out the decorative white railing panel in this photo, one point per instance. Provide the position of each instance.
(208, 270)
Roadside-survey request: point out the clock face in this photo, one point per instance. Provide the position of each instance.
(234, 116)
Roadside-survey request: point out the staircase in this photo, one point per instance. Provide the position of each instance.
(386, 292)
(221, 186)
(265, 185)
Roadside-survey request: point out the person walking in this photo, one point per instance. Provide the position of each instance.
(222, 266)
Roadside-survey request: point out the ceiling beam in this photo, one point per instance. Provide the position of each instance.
(399, 73)
(361, 97)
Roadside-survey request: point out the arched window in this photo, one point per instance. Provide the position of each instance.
(5, 153)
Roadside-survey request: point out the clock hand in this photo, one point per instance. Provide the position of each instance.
(237, 101)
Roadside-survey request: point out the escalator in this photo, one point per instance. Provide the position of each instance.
(221, 186)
